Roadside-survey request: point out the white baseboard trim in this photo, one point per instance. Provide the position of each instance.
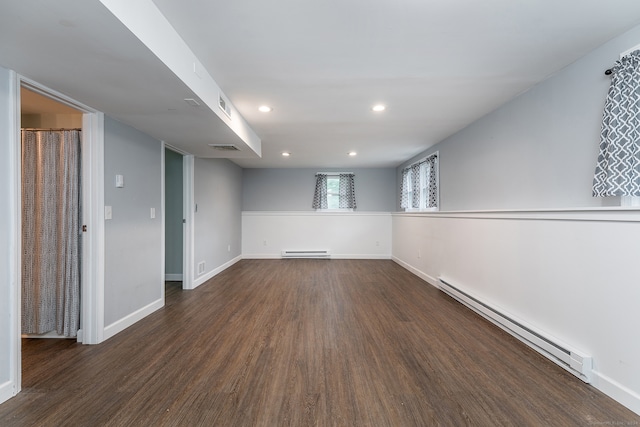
(7, 391)
(173, 277)
(421, 274)
(200, 280)
(616, 391)
(333, 256)
(125, 322)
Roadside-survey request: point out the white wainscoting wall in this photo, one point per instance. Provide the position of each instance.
(573, 274)
(353, 235)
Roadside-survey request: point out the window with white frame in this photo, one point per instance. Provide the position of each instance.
(334, 191)
(420, 187)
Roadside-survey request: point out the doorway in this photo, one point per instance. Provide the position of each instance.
(174, 217)
(51, 217)
(178, 211)
(92, 197)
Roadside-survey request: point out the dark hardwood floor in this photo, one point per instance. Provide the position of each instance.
(305, 343)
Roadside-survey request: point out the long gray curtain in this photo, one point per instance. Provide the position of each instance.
(50, 232)
(347, 191)
(320, 192)
(404, 190)
(618, 167)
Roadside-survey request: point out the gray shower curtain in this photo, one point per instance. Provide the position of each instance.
(51, 232)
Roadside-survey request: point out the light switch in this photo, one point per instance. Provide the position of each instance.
(108, 213)
(119, 181)
(153, 213)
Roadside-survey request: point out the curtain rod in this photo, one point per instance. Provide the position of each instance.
(334, 173)
(50, 129)
(425, 158)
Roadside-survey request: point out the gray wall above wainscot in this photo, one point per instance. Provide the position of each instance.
(292, 189)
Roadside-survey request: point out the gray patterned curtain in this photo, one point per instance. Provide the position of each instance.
(50, 232)
(432, 181)
(415, 184)
(420, 179)
(404, 190)
(618, 168)
(320, 193)
(347, 191)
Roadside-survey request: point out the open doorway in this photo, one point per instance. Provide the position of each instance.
(174, 218)
(178, 178)
(51, 217)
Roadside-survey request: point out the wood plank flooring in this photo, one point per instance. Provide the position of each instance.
(305, 343)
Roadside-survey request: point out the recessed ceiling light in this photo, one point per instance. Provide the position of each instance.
(378, 108)
(353, 153)
(265, 109)
(285, 154)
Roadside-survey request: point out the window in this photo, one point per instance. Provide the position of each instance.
(334, 191)
(419, 187)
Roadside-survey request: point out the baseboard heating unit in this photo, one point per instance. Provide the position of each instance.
(306, 254)
(572, 360)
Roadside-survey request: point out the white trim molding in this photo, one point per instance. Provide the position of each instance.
(188, 239)
(93, 240)
(14, 385)
(606, 214)
(122, 324)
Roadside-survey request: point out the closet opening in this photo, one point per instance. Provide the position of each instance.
(51, 217)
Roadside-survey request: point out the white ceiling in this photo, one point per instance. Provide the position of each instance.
(437, 65)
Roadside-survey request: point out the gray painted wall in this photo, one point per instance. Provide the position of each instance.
(173, 226)
(292, 189)
(217, 222)
(537, 151)
(133, 241)
(7, 248)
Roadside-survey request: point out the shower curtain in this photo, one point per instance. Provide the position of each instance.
(51, 232)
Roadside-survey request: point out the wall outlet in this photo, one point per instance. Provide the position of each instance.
(264, 243)
(201, 267)
(228, 248)
(108, 212)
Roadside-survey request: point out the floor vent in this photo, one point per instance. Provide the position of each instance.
(572, 360)
(306, 254)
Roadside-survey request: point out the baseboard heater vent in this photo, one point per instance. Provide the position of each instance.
(572, 360)
(306, 254)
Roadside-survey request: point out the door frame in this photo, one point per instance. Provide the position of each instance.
(92, 285)
(187, 214)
